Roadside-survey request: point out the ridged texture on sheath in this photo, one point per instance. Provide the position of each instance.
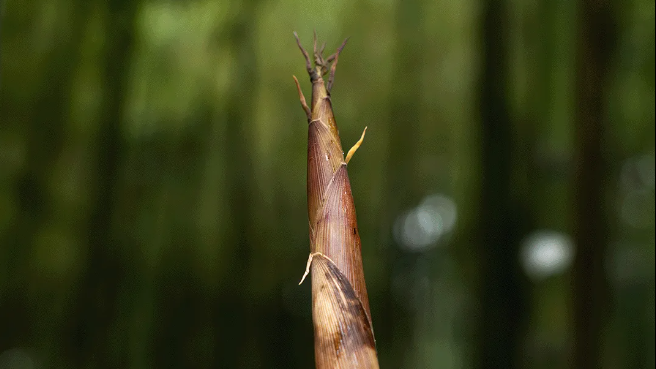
(333, 225)
(343, 338)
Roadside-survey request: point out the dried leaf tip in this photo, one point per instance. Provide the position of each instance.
(302, 98)
(355, 147)
(308, 63)
(309, 262)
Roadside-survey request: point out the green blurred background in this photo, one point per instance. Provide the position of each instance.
(153, 166)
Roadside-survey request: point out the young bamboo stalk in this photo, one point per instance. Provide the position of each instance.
(343, 333)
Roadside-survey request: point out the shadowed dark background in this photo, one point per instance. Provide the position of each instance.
(152, 181)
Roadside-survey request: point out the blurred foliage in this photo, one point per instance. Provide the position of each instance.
(152, 181)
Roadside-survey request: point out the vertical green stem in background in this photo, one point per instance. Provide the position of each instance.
(502, 300)
(98, 287)
(595, 42)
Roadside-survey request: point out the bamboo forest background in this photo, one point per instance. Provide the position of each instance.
(152, 181)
